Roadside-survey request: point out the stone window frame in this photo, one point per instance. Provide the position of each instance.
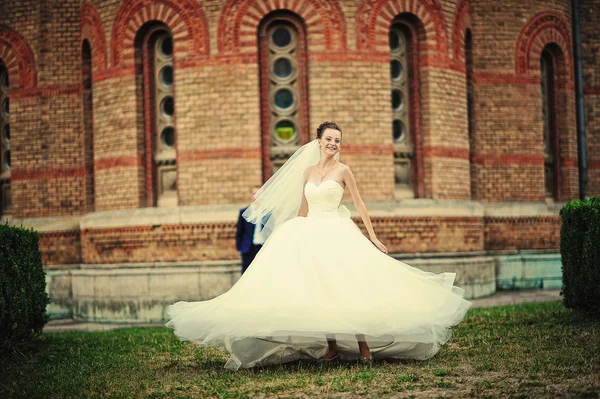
(276, 150)
(159, 158)
(5, 167)
(470, 96)
(550, 72)
(87, 93)
(412, 149)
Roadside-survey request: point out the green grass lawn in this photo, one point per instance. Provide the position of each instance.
(533, 350)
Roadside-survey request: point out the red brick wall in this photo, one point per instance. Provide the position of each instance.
(47, 176)
(508, 124)
(169, 243)
(429, 234)
(118, 145)
(159, 243)
(60, 248)
(210, 241)
(522, 233)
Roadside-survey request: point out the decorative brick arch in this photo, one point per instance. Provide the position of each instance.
(93, 31)
(184, 18)
(239, 21)
(462, 22)
(18, 59)
(376, 16)
(542, 29)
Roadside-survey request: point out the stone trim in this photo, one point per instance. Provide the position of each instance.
(521, 209)
(188, 215)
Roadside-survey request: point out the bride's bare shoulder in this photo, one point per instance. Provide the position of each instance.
(343, 167)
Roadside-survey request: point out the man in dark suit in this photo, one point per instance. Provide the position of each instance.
(247, 238)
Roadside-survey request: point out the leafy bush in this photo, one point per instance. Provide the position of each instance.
(580, 252)
(23, 298)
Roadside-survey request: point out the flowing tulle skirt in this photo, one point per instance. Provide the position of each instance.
(318, 278)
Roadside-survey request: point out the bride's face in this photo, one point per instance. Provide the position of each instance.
(331, 142)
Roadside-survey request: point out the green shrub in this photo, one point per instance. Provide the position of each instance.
(23, 298)
(580, 252)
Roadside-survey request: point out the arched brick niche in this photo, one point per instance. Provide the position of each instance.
(240, 20)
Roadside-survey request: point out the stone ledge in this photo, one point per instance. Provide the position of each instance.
(48, 224)
(161, 216)
(228, 213)
(522, 209)
(422, 207)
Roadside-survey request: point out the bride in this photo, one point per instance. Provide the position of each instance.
(319, 288)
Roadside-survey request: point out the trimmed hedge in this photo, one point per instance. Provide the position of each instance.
(580, 253)
(23, 297)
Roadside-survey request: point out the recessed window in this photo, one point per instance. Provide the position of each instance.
(397, 100)
(285, 130)
(400, 84)
(164, 97)
(284, 98)
(470, 111)
(283, 74)
(160, 70)
(396, 69)
(167, 106)
(87, 98)
(282, 37)
(283, 85)
(399, 131)
(5, 187)
(167, 136)
(396, 40)
(404, 154)
(165, 76)
(165, 46)
(550, 145)
(283, 68)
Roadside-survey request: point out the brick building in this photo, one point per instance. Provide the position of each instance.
(133, 130)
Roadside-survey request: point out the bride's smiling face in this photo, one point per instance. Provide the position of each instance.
(331, 141)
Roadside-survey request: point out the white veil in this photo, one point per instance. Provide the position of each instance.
(279, 199)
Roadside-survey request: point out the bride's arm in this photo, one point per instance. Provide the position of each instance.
(361, 208)
(303, 211)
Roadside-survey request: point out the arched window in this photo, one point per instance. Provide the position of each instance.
(551, 160)
(88, 122)
(154, 61)
(282, 47)
(5, 194)
(470, 109)
(404, 82)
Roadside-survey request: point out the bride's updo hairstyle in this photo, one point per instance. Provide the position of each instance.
(327, 125)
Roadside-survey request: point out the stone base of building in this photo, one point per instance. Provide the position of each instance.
(141, 293)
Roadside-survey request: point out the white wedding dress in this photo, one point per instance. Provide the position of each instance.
(317, 277)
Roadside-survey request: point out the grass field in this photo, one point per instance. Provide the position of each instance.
(524, 351)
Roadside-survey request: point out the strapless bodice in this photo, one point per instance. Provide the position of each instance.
(324, 199)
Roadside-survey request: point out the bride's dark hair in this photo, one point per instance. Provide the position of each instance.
(327, 125)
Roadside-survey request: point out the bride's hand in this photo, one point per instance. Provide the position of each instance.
(379, 245)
